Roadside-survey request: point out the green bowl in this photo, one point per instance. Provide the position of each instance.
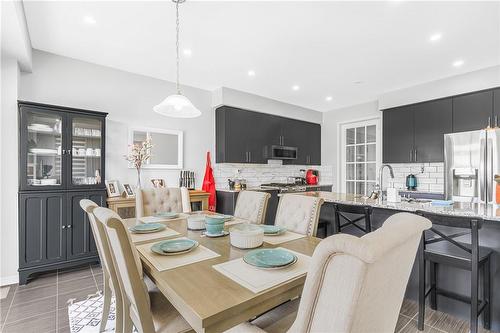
(273, 230)
(269, 258)
(215, 219)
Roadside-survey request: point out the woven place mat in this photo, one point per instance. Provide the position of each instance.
(257, 280)
(285, 237)
(152, 236)
(163, 263)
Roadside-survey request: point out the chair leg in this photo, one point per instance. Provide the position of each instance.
(128, 325)
(421, 287)
(486, 295)
(119, 318)
(433, 275)
(474, 291)
(107, 303)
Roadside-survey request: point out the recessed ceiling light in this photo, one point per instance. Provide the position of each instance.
(435, 37)
(328, 98)
(458, 63)
(187, 52)
(90, 20)
(251, 73)
(295, 87)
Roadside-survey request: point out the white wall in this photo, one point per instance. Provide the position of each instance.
(240, 99)
(128, 98)
(8, 171)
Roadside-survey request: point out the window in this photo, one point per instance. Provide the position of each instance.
(360, 146)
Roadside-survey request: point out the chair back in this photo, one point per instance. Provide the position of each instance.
(154, 200)
(128, 269)
(446, 228)
(362, 212)
(299, 213)
(252, 206)
(358, 284)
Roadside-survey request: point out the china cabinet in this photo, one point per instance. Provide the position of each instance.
(61, 158)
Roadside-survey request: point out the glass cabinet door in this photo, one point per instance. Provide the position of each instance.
(86, 151)
(44, 149)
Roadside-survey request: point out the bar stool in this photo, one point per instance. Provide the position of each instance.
(364, 212)
(471, 257)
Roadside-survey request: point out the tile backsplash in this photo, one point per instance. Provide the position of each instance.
(430, 176)
(256, 174)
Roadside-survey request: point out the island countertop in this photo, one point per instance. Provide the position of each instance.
(486, 211)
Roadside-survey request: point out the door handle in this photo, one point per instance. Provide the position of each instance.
(249, 156)
(489, 122)
(68, 226)
(415, 155)
(411, 157)
(63, 227)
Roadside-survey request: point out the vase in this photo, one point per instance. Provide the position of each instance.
(138, 178)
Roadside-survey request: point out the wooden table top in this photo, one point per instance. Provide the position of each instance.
(210, 301)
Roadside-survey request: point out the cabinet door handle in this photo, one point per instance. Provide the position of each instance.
(415, 155)
(68, 226)
(411, 157)
(489, 121)
(63, 227)
(249, 156)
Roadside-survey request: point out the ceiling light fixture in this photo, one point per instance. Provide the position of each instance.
(435, 37)
(328, 98)
(295, 88)
(89, 20)
(177, 105)
(458, 63)
(251, 73)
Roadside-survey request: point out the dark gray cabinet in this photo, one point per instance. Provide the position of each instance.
(244, 136)
(61, 162)
(472, 111)
(397, 142)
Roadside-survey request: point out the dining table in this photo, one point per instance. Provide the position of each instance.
(207, 299)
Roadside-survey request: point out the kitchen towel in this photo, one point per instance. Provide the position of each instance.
(256, 279)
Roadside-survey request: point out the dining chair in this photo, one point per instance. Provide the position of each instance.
(166, 199)
(111, 286)
(252, 206)
(353, 284)
(356, 216)
(299, 213)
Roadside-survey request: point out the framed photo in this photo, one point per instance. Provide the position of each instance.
(113, 188)
(129, 192)
(158, 183)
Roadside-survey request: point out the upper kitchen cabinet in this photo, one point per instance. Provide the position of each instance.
(398, 132)
(496, 103)
(472, 111)
(431, 121)
(244, 136)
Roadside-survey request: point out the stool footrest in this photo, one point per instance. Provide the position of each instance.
(481, 304)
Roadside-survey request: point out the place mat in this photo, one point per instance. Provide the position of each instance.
(257, 280)
(285, 237)
(163, 263)
(152, 236)
(158, 219)
(235, 220)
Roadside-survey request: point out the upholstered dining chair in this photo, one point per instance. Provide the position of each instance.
(111, 286)
(354, 285)
(299, 213)
(168, 199)
(252, 206)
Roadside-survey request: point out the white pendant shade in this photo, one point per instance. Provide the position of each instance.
(177, 106)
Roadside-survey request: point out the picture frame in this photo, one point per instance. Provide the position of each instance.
(113, 188)
(129, 191)
(158, 183)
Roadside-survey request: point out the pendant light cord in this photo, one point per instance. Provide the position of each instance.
(177, 44)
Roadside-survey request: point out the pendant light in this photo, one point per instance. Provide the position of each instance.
(177, 106)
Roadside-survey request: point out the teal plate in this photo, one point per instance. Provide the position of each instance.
(269, 258)
(159, 248)
(146, 228)
(273, 230)
(167, 215)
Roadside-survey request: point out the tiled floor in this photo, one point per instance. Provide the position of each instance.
(41, 306)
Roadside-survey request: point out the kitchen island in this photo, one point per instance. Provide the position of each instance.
(448, 277)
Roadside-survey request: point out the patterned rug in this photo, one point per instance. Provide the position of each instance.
(85, 316)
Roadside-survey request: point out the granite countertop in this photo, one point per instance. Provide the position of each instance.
(486, 211)
(258, 188)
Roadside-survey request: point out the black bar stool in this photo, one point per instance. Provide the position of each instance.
(442, 248)
(363, 212)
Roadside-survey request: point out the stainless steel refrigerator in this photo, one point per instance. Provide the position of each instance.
(471, 162)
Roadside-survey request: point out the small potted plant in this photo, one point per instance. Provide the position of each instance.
(138, 155)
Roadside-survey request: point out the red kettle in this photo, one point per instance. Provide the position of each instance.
(312, 177)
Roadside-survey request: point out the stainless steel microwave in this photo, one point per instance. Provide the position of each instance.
(283, 153)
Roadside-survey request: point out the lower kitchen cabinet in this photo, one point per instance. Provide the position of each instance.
(54, 232)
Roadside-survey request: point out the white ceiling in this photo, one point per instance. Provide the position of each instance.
(324, 47)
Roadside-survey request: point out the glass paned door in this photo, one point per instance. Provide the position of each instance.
(360, 157)
(86, 151)
(44, 149)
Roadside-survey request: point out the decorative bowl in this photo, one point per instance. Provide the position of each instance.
(214, 224)
(246, 236)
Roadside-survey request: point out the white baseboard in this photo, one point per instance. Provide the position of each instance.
(8, 280)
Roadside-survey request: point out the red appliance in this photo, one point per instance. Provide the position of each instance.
(312, 177)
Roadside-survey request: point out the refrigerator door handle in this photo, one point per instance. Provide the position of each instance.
(482, 167)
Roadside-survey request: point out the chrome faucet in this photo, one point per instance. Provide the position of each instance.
(381, 178)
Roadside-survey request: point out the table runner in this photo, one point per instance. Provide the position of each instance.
(285, 237)
(163, 263)
(257, 280)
